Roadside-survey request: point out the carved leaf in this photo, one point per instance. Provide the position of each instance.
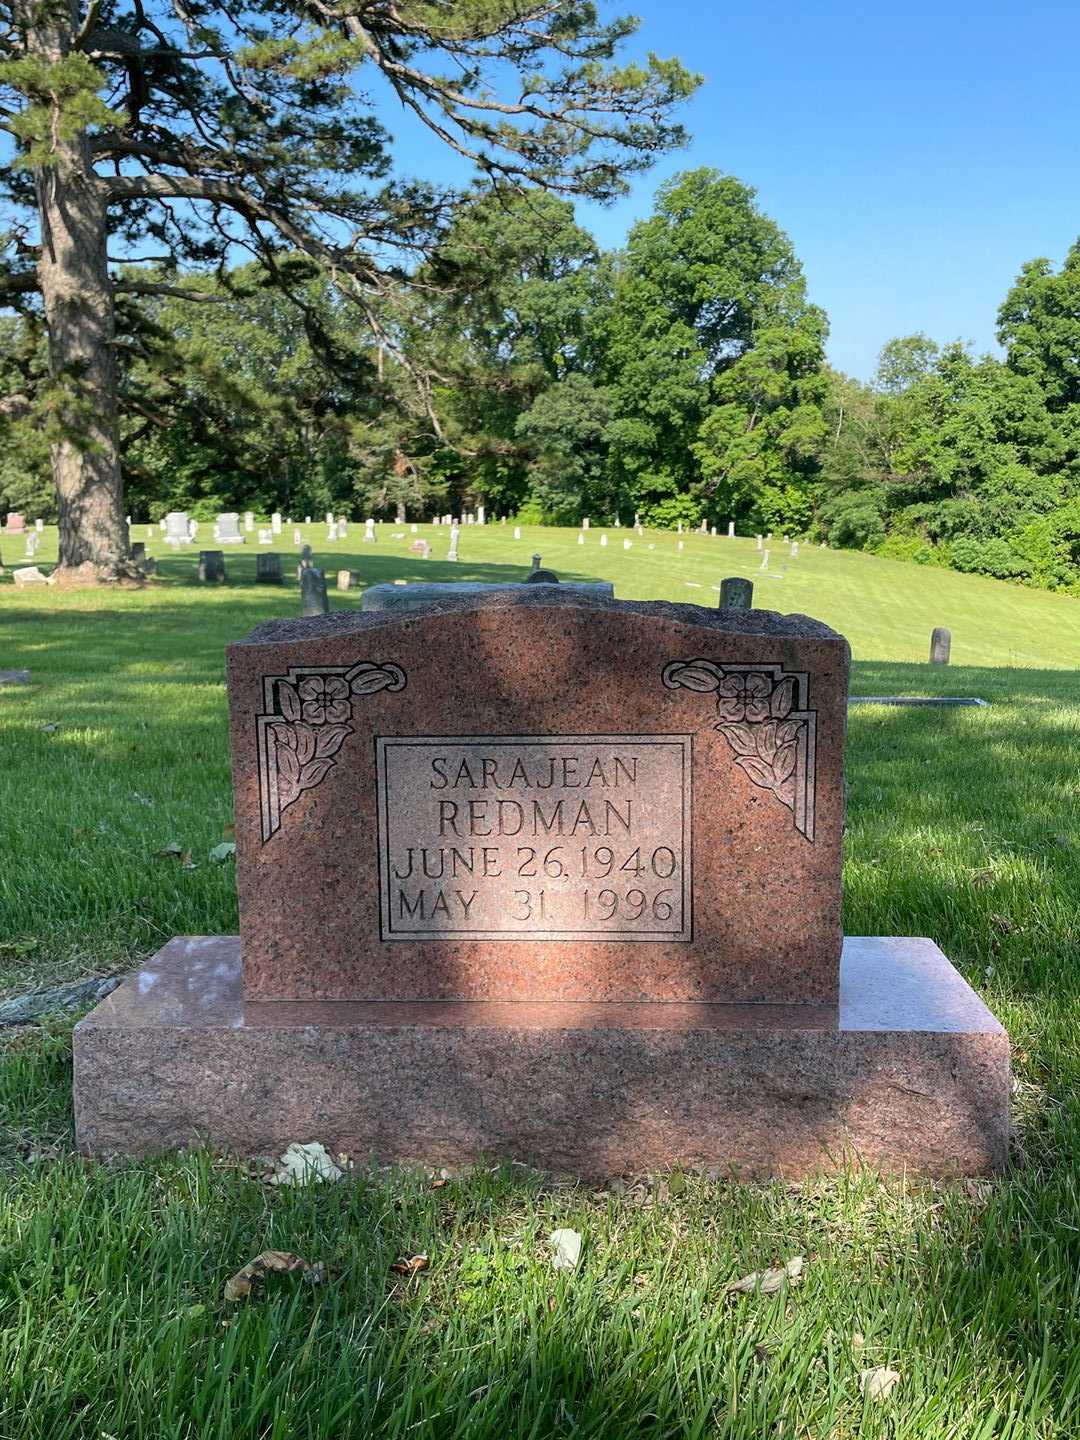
(370, 678)
(311, 774)
(783, 699)
(285, 736)
(305, 744)
(328, 740)
(288, 700)
(766, 741)
(739, 737)
(699, 675)
(784, 763)
(785, 792)
(759, 773)
(287, 766)
(787, 731)
(288, 791)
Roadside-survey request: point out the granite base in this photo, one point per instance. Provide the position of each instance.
(911, 1073)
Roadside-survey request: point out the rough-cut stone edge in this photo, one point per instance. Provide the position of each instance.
(350, 622)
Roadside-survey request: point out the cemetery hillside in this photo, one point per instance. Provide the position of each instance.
(539, 713)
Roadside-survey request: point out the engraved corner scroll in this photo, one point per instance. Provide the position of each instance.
(764, 718)
(304, 723)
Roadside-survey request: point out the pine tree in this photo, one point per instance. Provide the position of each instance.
(184, 133)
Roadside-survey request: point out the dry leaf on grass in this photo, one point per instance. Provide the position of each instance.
(304, 1165)
(277, 1262)
(567, 1247)
(225, 851)
(767, 1282)
(876, 1384)
(411, 1265)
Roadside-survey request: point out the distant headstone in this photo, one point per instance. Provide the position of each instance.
(345, 578)
(517, 532)
(758, 539)
(39, 525)
(481, 518)
(192, 529)
(297, 536)
(266, 537)
(794, 549)
(678, 544)
(470, 518)
(940, 646)
(176, 528)
(163, 524)
(581, 537)
(268, 569)
(369, 529)
(585, 523)
(412, 529)
(603, 539)
(764, 559)
(704, 527)
(249, 520)
(329, 517)
(678, 528)
(731, 529)
(626, 544)
(28, 575)
(331, 532)
(342, 530)
(536, 561)
(33, 540)
(211, 565)
(313, 592)
(451, 554)
(307, 519)
(229, 528)
(736, 593)
(275, 522)
(16, 523)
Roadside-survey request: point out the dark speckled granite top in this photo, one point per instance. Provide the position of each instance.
(346, 622)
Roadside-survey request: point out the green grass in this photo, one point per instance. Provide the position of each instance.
(962, 826)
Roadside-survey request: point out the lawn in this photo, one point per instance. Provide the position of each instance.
(962, 826)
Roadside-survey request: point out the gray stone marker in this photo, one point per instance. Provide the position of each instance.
(33, 540)
(138, 551)
(176, 528)
(229, 529)
(451, 554)
(211, 565)
(249, 520)
(536, 561)
(313, 592)
(736, 593)
(369, 530)
(275, 522)
(940, 645)
(306, 561)
(347, 578)
(268, 569)
(402, 597)
(28, 575)
(764, 559)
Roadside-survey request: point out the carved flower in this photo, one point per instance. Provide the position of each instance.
(744, 697)
(324, 699)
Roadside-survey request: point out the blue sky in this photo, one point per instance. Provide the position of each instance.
(916, 154)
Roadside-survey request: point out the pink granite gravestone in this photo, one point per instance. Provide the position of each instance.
(16, 523)
(546, 876)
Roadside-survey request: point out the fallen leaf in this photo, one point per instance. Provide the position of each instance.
(220, 853)
(857, 1342)
(676, 1183)
(1003, 923)
(279, 1262)
(411, 1265)
(173, 851)
(567, 1247)
(305, 1164)
(187, 861)
(876, 1384)
(140, 799)
(48, 729)
(767, 1282)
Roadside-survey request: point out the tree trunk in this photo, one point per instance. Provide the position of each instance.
(75, 287)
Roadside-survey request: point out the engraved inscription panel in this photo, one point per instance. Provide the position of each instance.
(535, 837)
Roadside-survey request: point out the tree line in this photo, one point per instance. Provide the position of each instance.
(681, 378)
